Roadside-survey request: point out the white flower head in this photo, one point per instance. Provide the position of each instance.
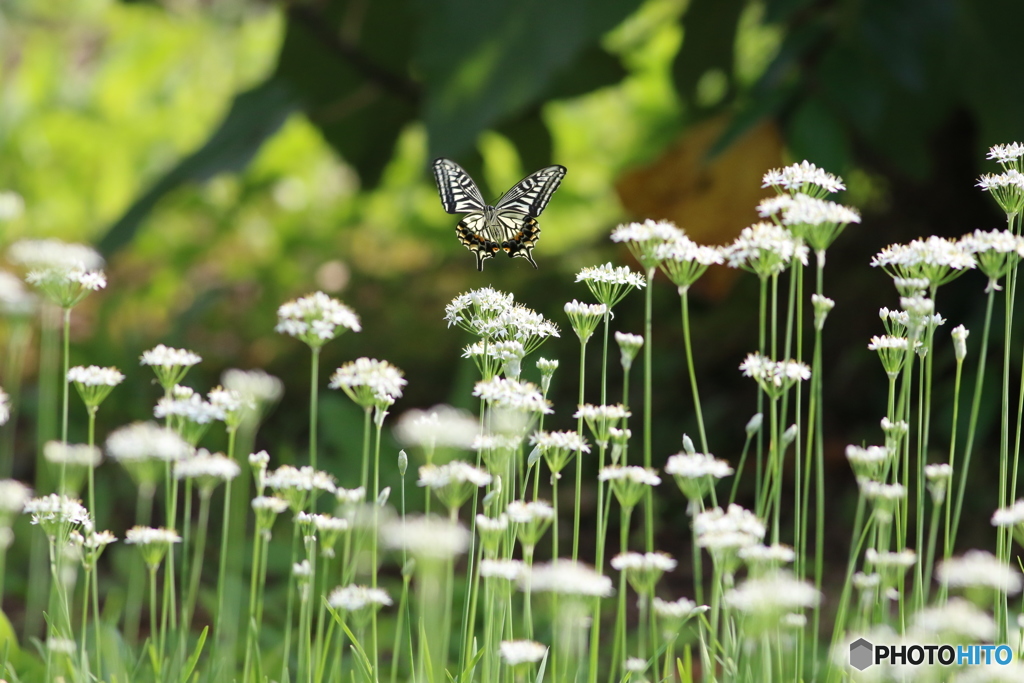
(958, 619)
(610, 284)
(256, 388)
(772, 595)
(441, 426)
(803, 177)
(764, 249)
(566, 578)
(208, 469)
(78, 455)
(979, 569)
(774, 377)
(316, 319)
(368, 381)
(355, 598)
(427, 538)
(513, 395)
(643, 240)
(15, 299)
(13, 497)
(936, 259)
(54, 512)
(517, 652)
(509, 570)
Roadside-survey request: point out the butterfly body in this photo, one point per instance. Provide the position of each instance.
(510, 225)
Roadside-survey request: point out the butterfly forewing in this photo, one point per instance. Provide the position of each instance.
(531, 194)
(459, 194)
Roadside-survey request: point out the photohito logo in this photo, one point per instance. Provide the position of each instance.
(864, 654)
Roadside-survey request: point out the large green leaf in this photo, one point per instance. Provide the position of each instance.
(483, 63)
(254, 116)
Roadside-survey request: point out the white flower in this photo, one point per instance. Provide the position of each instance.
(94, 376)
(774, 376)
(56, 509)
(53, 253)
(732, 529)
(609, 412)
(522, 512)
(355, 598)
(607, 273)
(207, 466)
(1009, 516)
(888, 559)
(454, 472)
(513, 395)
(643, 562)
(567, 440)
(253, 385)
(769, 554)
(805, 210)
(64, 646)
(228, 402)
(288, 478)
(631, 473)
(959, 335)
(316, 319)
(979, 569)
(350, 496)
(683, 608)
(146, 440)
(803, 177)
(496, 442)
(510, 570)
(441, 426)
(958, 617)
(1005, 154)
(167, 357)
(366, 379)
(271, 503)
(697, 465)
(429, 538)
(471, 307)
(776, 593)
(764, 249)
(140, 535)
(93, 540)
(635, 665)
(566, 577)
(81, 455)
(516, 652)
(937, 259)
(873, 490)
(302, 570)
(15, 300)
(187, 405)
(13, 497)
(643, 239)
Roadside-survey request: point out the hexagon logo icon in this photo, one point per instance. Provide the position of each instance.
(862, 654)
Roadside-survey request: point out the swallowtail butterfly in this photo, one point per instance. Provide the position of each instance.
(510, 225)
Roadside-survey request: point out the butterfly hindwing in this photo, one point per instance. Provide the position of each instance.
(459, 194)
(510, 225)
(531, 194)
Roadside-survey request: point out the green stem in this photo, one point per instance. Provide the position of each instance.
(648, 406)
(684, 299)
(314, 385)
(579, 468)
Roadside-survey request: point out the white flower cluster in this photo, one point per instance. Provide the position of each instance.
(522, 512)
(253, 385)
(610, 413)
(566, 578)
(643, 562)
(140, 535)
(441, 426)
(765, 249)
(57, 509)
(168, 357)
(684, 250)
(936, 259)
(206, 465)
(609, 274)
(355, 598)
(81, 455)
(697, 465)
(732, 528)
(630, 473)
(774, 374)
(53, 253)
(288, 478)
(426, 537)
(958, 617)
(316, 319)
(513, 395)
(13, 497)
(95, 376)
(12, 205)
(1009, 516)
(509, 570)
(799, 178)
(979, 569)
(185, 403)
(683, 608)
(15, 300)
(380, 378)
(1005, 154)
(146, 440)
(494, 315)
(567, 440)
(648, 231)
(778, 593)
(516, 652)
(454, 472)
(886, 559)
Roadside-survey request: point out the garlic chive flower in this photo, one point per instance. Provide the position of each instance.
(937, 259)
(427, 538)
(169, 364)
(772, 596)
(94, 383)
(547, 370)
(508, 570)
(696, 473)
(67, 287)
(602, 419)
(723, 533)
(1013, 517)
(267, 508)
(53, 253)
(959, 335)
(360, 602)
(531, 519)
(369, 382)
(477, 307)
(684, 261)
(207, 470)
(774, 377)
(559, 448)
(258, 390)
(453, 482)
(91, 545)
(57, 514)
(143, 448)
(13, 497)
(152, 543)
(892, 351)
(1007, 188)
(441, 427)
(492, 533)
(566, 578)
(585, 318)
(629, 347)
(805, 178)
(937, 476)
(761, 559)
(511, 354)
(822, 306)
(296, 485)
(517, 653)
(955, 621)
(81, 455)
(996, 252)
(187, 413)
(513, 395)
(978, 569)
(674, 615)
(817, 221)
(1007, 155)
(316, 319)
(643, 570)
(868, 461)
(644, 239)
(629, 483)
(610, 284)
(764, 249)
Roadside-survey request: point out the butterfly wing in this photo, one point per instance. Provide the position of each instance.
(459, 194)
(531, 194)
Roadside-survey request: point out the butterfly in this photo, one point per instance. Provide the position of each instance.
(510, 225)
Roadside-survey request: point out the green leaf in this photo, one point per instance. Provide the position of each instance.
(254, 116)
(484, 62)
(709, 43)
(543, 666)
(8, 639)
(190, 664)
